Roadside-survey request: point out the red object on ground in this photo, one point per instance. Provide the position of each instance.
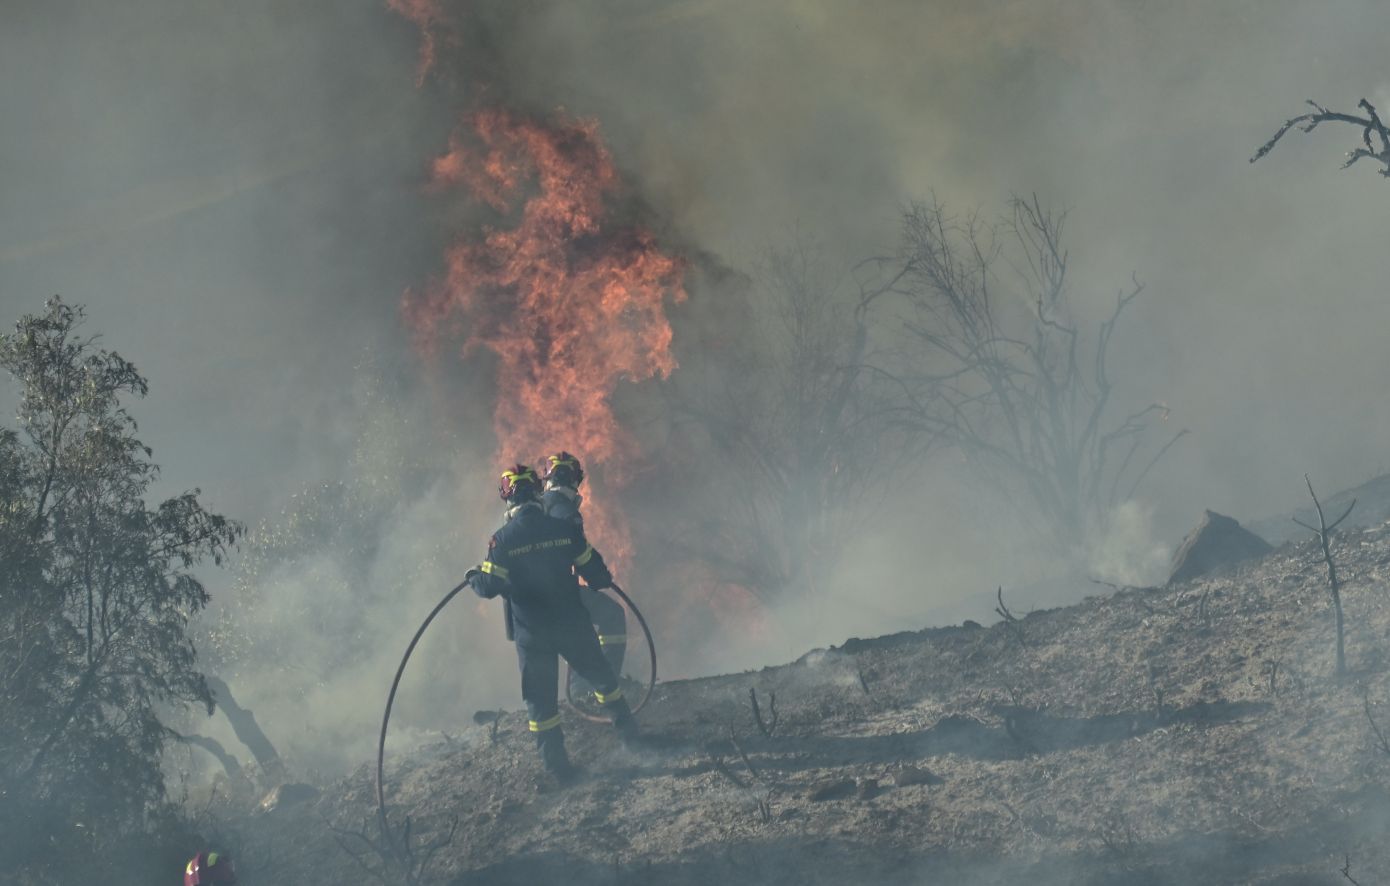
(209, 867)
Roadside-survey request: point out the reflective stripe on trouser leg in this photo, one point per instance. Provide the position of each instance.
(545, 725)
(609, 697)
(614, 651)
(540, 670)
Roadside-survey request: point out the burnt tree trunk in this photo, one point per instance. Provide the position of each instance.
(214, 747)
(247, 730)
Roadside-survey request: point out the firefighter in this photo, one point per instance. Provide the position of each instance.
(532, 563)
(562, 477)
(209, 867)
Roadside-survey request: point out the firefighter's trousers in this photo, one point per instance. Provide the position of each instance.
(539, 654)
(610, 621)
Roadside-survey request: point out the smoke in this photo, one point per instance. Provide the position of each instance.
(238, 193)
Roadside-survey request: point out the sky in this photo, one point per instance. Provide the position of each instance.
(239, 195)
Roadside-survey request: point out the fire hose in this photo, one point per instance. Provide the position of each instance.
(396, 682)
(651, 650)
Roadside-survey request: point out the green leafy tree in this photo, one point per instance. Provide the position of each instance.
(96, 592)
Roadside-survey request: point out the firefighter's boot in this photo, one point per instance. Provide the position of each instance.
(624, 722)
(551, 744)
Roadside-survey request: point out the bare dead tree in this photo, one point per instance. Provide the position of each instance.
(997, 366)
(1375, 138)
(1334, 587)
(799, 427)
(247, 730)
(1015, 627)
(768, 727)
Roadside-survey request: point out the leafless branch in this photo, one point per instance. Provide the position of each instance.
(1375, 138)
(1014, 626)
(1204, 613)
(738, 748)
(716, 760)
(863, 681)
(1346, 870)
(770, 726)
(396, 863)
(1381, 741)
(1324, 536)
(1157, 692)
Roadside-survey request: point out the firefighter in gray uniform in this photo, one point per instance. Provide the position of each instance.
(561, 500)
(532, 563)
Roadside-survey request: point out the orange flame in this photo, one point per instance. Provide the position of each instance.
(571, 302)
(427, 16)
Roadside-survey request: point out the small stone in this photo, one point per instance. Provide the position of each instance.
(868, 788)
(288, 794)
(910, 775)
(834, 789)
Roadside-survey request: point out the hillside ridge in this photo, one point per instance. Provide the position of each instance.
(1189, 734)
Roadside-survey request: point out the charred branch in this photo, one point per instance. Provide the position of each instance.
(1324, 535)
(1375, 138)
(863, 680)
(1381, 741)
(747, 762)
(1346, 870)
(391, 863)
(491, 719)
(768, 727)
(1014, 626)
(1157, 692)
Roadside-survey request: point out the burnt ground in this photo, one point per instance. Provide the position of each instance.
(1193, 734)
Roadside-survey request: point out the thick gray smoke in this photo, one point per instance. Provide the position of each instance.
(237, 193)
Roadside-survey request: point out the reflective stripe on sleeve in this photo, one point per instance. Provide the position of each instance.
(608, 697)
(585, 557)
(612, 639)
(545, 725)
(492, 568)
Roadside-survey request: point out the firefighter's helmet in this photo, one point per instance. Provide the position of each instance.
(209, 867)
(563, 469)
(519, 484)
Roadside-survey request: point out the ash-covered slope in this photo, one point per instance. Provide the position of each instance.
(1193, 734)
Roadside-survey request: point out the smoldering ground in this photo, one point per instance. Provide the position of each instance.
(238, 195)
